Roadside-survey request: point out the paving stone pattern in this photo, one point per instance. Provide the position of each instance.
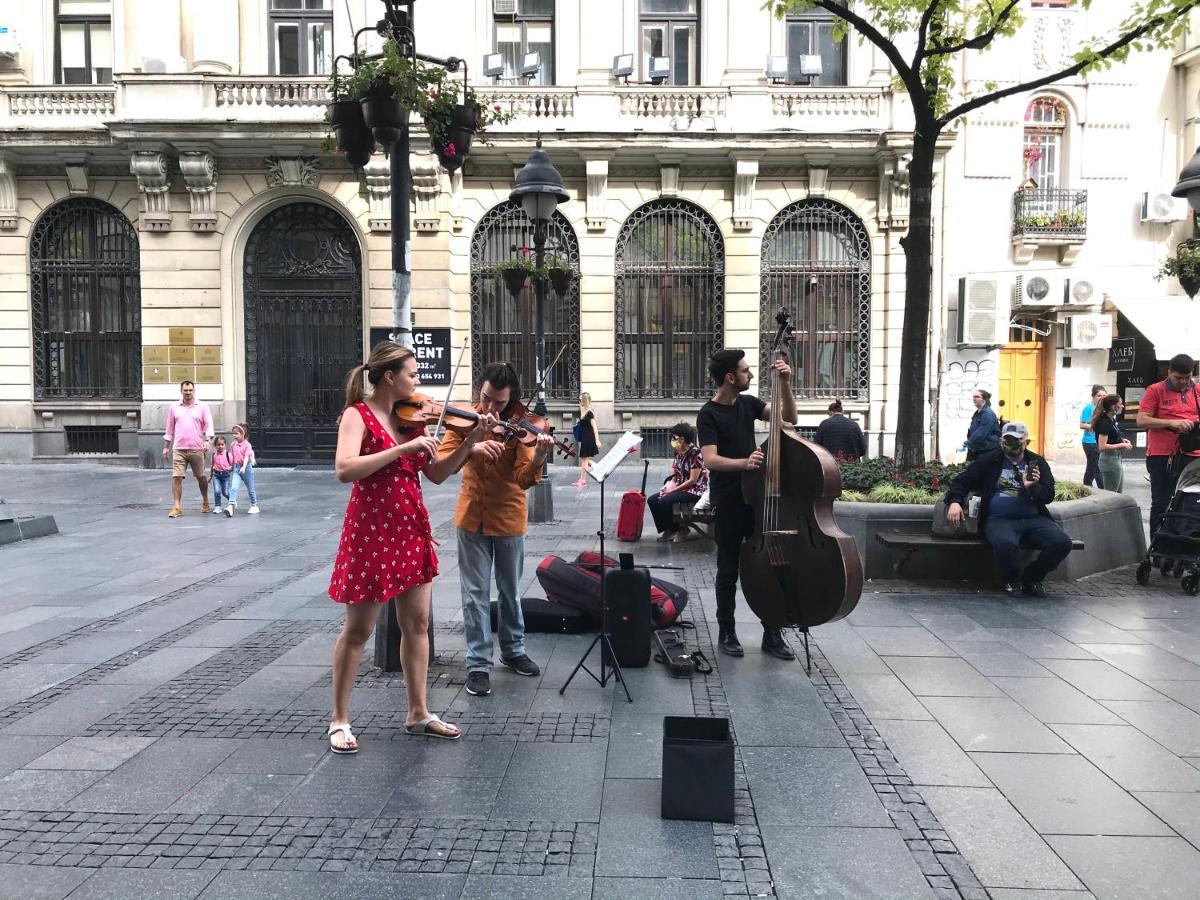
(949, 694)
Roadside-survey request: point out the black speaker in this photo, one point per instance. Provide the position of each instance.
(627, 593)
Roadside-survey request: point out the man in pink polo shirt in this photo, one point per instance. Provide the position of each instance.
(189, 430)
(1168, 409)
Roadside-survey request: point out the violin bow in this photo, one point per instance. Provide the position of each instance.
(437, 431)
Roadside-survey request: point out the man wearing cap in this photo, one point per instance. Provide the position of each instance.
(1014, 485)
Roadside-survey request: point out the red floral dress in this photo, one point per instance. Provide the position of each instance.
(387, 544)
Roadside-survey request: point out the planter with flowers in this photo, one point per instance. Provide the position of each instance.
(515, 272)
(396, 86)
(560, 273)
(1184, 265)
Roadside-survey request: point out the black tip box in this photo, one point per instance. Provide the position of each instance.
(697, 769)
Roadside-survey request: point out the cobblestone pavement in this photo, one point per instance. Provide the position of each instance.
(166, 685)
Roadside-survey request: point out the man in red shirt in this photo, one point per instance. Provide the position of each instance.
(1168, 409)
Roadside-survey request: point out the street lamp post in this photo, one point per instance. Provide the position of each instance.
(539, 189)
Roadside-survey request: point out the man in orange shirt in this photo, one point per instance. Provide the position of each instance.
(491, 516)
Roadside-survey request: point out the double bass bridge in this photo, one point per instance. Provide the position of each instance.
(776, 554)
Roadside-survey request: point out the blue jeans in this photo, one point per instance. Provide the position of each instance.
(1040, 533)
(221, 482)
(477, 553)
(248, 479)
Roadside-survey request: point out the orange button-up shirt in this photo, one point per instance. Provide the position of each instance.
(492, 495)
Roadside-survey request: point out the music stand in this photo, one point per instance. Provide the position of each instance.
(600, 472)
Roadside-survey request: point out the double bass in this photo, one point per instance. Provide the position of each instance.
(798, 568)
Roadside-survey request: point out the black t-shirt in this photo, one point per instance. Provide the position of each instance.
(731, 429)
(1108, 427)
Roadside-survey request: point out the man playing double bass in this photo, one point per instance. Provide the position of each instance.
(491, 519)
(725, 428)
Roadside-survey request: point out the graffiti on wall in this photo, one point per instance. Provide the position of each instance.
(959, 382)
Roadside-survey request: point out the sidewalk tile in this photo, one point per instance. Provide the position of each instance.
(1001, 848)
(1066, 795)
(636, 841)
(993, 723)
(834, 788)
(863, 863)
(929, 755)
(1130, 758)
(1132, 868)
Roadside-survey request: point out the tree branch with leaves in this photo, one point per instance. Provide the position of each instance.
(927, 42)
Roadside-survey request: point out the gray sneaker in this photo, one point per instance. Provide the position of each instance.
(522, 665)
(479, 684)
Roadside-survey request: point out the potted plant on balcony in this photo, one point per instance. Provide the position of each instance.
(1184, 265)
(515, 272)
(560, 273)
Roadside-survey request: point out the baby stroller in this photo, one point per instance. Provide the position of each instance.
(1176, 546)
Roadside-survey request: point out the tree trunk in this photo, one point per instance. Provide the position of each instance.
(918, 254)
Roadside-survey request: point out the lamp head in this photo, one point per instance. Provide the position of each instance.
(538, 186)
(1189, 182)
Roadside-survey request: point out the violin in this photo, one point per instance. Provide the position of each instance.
(798, 568)
(527, 427)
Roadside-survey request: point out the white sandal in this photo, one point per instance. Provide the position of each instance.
(422, 728)
(347, 733)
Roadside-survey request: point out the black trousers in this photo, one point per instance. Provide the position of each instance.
(1162, 488)
(663, 508)
(734, 522)
(1091, 474)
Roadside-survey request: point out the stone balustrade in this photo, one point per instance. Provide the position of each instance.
(67, 105)
(300, 101)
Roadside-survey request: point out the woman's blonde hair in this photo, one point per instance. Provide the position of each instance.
(386, 356)
(585, 400)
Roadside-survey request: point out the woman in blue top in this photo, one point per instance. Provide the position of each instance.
(983, 434)
(1092, 474)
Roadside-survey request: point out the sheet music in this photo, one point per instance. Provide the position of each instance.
(626, 444)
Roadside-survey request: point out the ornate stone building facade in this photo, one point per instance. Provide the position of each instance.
(166, 212)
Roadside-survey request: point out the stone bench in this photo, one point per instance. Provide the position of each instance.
(698, 520)
(908, 544)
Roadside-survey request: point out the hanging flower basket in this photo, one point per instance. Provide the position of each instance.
(383, 114)
(515, 273)
(560, 274)
(1185, 266)
(450, 157)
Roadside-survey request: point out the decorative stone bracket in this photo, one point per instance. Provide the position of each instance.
(1025, 247)
(154, 185)
(745, 175)
(199, 170)
(8, 193)
(426, 187)
(301, 171)
(597, 194)
(818, 180)
(377, 174)
(77, 176)
(456, 201)
(893, 192)
(669, 180)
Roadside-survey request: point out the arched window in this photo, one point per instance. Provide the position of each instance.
(816, 263)
(503, 327)
(1045, 126)
(86, 299)
(670, 301)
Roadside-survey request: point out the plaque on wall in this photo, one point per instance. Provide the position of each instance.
(181, 335)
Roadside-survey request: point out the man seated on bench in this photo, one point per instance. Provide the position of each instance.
(1014, 485)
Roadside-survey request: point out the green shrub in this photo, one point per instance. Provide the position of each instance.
(898, 493)
(932, 477)
(1070, 490)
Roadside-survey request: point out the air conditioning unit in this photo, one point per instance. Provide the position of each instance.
(1160, 206)
(1091, 331)
(982, 314)
(1079, 292)
(504, 7)
(1034, 289)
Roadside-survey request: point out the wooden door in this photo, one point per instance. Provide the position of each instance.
(1020, 389)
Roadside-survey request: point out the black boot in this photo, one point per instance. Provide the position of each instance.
(728, 643)
(774, 644)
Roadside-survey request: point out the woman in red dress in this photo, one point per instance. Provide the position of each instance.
(386, 548)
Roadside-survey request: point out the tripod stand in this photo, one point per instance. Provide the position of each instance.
(603, 639)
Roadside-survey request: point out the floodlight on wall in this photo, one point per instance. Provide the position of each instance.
(493, 65)
(660, 69)
(810, 66)
(777, 68)
(623, 66)
(530, 64)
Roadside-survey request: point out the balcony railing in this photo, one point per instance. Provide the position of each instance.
(1047, 215)
(590, 108)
